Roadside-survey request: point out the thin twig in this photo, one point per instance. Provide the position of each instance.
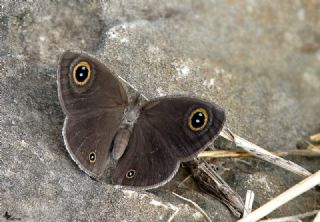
(184, 180)
(317, 218)
(248, 203)
(173, 215)
(283, 198)
(315, 138)
(134, 88)
(212, 183)
(241, 153)
(291, 218)
(263, 154)
(195, 205)
(315, 148)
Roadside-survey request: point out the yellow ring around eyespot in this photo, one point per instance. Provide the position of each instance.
(95, 157)
(134, 173)
(205, 113)
(85, 64)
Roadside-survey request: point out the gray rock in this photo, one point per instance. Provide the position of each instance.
(258, 60)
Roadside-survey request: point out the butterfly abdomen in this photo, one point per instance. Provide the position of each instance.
(120, 142)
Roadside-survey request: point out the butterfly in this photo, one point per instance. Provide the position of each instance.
(148, 141)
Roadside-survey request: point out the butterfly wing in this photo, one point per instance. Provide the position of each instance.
(168, 130)
(93, 101)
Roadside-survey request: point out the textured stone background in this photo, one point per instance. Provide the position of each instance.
(260, 60)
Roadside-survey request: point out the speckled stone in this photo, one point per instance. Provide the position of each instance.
(260, 60)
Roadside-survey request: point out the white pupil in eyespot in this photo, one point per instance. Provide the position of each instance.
(198, 119)
(130, 173)
(82, 74)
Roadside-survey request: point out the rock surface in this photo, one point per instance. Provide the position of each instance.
(257, 59)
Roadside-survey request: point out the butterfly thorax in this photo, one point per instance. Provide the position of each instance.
(130, 116)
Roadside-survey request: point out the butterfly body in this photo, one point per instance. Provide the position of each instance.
(122, 137)
(148, 139)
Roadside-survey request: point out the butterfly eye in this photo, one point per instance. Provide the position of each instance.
(131, 173)
(92, 157)
(198, 119)
(81, 73)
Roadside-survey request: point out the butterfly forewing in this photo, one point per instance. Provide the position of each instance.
(94, 101)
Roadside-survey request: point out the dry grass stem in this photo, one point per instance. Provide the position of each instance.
(173, 215)
(248, 203)
(291, 218)
(317, 218)
(185, 180)
(212, 183)
(195, 205)
(315, 138)
(315, 148)
(240, 153)
(263, 154)
(283, 198)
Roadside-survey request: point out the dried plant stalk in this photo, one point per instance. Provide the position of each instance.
(264, 154)
(291, 218)
(317, 218)
(211, 182)
(241, 153)
(315, 138)
(195, 205)
(283, 198)
(248, 203)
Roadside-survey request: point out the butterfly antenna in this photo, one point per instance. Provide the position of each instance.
(129, 84)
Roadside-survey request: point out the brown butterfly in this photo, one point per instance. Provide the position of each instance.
(148, 141)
